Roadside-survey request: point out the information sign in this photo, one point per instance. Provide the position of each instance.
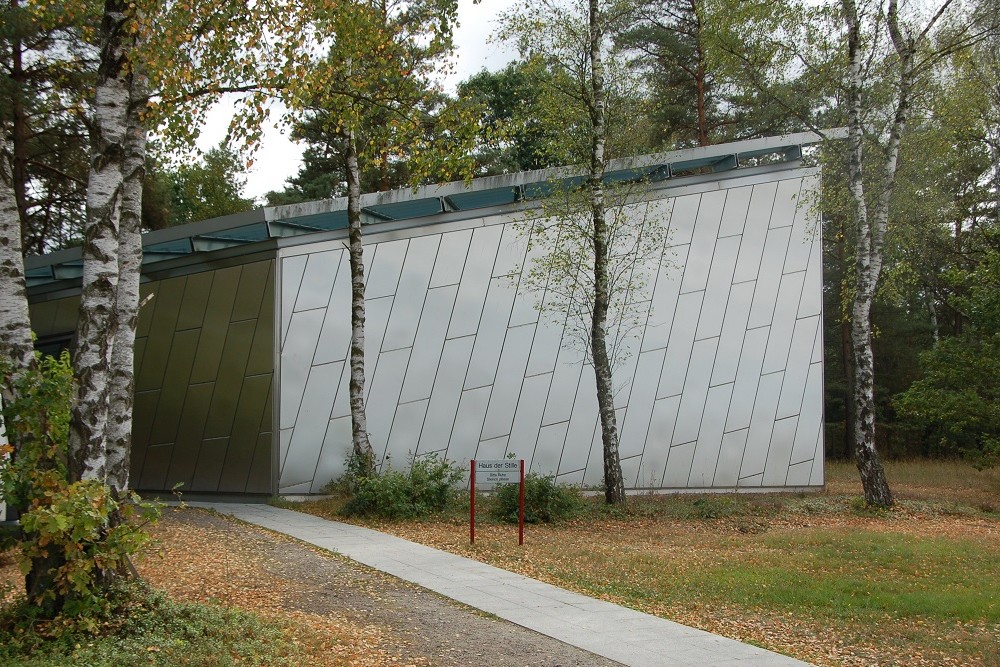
(498, 471)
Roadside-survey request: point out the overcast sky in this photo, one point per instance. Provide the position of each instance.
(278, 157)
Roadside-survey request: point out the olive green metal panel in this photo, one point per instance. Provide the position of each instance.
(260, 480)
(143, 411)
(203, 418)
(229, 379)
(190, 428)
(154, 466)
(166, 303)
(209, 467)
(246, 427)
(196, 293)
(146, 311)
(250, 291)
(66, 314)
(216, 324)
(174, 387)
(43, 315)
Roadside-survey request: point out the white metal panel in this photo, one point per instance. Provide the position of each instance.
(793, 389)
(678, 357)
(386, 264)
(727, 470)
(408, 306)
(291, 272)
(640, 405)
(765, 295)
(317, 281)
(664, 302)
(713, 421)
(492, 331)
(475, 281)
(386, 384)
(780, 451)
(783, 322)
(747, 379)
(335, 338)
(296, 360)
(683, 216)
(718, 289)
(469, 419)
(310, 425)
(706, 232)
(451, 258)
(426, 355)
(446, 394)
(548, 448)
(755, 232)
(507, 388)
(376, 317)
(734, 216)
(761, 425)
(695, 391)
(785, 203)
(733, 331)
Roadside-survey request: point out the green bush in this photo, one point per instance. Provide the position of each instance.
(143, 627)
(75, 537)
(428, 487)
(544, 501)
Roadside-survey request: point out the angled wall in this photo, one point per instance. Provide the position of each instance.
(722, 388)
(204, 367)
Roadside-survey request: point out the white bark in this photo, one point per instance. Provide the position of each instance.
(614, 488)
(97, 324)
(362, 448)
(15, 328)
(122, 382)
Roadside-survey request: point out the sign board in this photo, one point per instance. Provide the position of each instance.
(498, 471)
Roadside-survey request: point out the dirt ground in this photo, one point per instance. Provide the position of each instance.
(372, 618)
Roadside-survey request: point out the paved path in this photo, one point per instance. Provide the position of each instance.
(620, 634)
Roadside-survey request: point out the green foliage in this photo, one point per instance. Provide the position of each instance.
(38, 420)
(428, 487)
(957, 401)
(143, 627)
(209, 188)
(75, 536)
(544, 501)
(90, 534)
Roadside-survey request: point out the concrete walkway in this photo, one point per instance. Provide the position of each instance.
(620, 634)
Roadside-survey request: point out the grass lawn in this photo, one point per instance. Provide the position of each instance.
(815, 576)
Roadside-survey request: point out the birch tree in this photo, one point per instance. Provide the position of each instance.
(97, 322)
(381, 60)
(864, 64)
(576, 40)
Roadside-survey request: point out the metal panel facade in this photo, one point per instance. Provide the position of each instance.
(204, 368)
(722, 389)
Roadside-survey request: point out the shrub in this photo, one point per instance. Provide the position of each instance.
(142, 627)
(75, 537)
(544, 501)
(428, 487)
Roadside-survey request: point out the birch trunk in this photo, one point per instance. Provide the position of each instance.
(96, 328)
(614, 487)
(122, 381)
(871, 228)
(15, 328)
(361, 446)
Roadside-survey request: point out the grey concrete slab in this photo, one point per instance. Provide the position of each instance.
(624, 635)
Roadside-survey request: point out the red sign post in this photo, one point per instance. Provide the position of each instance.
(496, 471)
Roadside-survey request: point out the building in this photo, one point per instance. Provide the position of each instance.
(241, 354)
